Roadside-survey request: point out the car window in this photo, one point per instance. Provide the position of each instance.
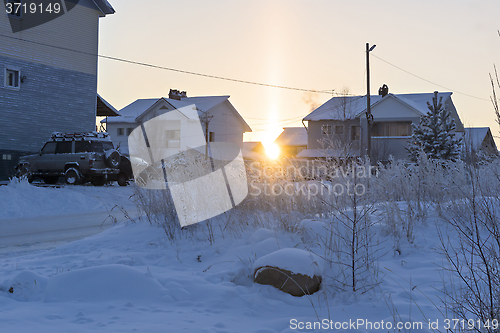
(49, 148)
(82, 147)
(64, 147)
(100, 146)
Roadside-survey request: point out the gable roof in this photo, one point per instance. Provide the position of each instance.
(355, 106)
(104, 109)
(132, 112)
(475, 136)
(292, 136)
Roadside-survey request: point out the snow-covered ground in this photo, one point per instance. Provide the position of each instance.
(131, 278)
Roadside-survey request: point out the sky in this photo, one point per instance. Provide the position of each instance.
(451, 45)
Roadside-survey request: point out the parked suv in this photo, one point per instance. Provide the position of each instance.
(79, 157)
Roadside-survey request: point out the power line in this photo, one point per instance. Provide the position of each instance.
(169, 68)
(421, 78)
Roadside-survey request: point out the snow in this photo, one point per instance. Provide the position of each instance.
(131, 277)
(294, 260)
(22, 200)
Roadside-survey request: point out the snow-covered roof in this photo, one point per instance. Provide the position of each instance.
(474, 136)
(350, 107)
(252, 145)
(129, 113)
(329, 152)
(292, 136)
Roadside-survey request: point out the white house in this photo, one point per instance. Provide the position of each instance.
(340, 124)
(292, 141)
(225, 124)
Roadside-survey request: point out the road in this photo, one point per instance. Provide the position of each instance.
(28, 234)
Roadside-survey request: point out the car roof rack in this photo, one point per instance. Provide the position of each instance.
(81, 136)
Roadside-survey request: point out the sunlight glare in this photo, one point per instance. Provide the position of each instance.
(272, 151)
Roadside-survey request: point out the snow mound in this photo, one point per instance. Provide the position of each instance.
(311, 230)
(26, 286)
(103, 283)
(20, 199)
(294, 260)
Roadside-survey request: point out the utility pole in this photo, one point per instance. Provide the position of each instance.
(369, 116)
(206, 120)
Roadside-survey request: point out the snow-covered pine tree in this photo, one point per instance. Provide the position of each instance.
(435, 134)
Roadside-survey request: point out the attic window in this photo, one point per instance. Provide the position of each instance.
(339, 129)
(12, 78)
(392, 129)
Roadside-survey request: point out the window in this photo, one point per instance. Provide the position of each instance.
(120, 131)
(173, 138)
(100, 146)
(7, 157)
(129, 131)
(211, 137)
(392, 129)
(339, 129)
(82, 146)
(326, 129)
(49, 148)
(14, 8)
(355, 133)
(12, 78)
(64, 147)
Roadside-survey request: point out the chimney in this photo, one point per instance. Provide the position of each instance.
(176, 94)
(384, 90)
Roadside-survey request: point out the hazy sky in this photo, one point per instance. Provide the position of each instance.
(313, 44)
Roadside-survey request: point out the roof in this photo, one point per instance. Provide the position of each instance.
(292, 136)
(104, 6)
(350, 107)
(131, 112)
(475, 136)
(253, 145)
(329, 152)
(104, 109)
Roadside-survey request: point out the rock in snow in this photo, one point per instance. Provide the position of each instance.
(294, 271)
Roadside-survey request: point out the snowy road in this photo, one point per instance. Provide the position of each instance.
(42, 232)
(33, 218)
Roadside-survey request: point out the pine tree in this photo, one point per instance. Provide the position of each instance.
(435, 134)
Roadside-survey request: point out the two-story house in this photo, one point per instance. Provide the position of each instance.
(48, 71)
(338, 128)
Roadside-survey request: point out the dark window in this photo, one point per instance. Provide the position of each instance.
(355, 133)
(49, 148)
(120, 131)
(391, 129)
(326, 129)
(100, 146)
(211, 137)
(64, 147)
(129, 131)
(82, 146)
(339, 129)
(12, 78)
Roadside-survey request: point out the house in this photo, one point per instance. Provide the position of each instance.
(253, 150)
(48, 71)
(340, 125)
(225, 124)
(291, 141)
(478, 143)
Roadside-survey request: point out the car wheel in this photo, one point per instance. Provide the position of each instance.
(122, 179)
(98, 180)
(113, 159)
(72, 176)
(51, 180)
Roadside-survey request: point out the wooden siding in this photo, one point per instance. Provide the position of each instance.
(76, 30)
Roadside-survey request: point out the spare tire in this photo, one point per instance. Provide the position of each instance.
(113, 158)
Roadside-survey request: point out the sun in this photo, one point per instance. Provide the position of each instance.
(272, 151)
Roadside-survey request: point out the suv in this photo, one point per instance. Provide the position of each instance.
(79, 157)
